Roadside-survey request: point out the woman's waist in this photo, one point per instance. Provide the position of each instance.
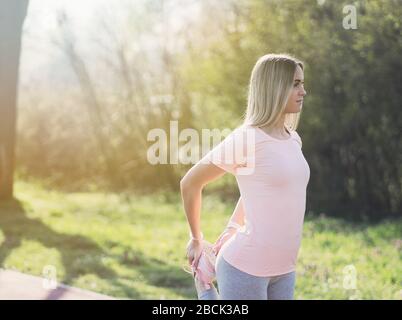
(262, 239)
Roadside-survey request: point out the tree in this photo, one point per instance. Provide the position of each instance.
(12, 16)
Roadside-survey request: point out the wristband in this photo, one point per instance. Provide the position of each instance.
(234, 225)
(196, 239)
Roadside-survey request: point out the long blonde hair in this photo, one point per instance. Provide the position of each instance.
(270, 86)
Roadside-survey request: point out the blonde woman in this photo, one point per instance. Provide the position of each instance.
(257, 252)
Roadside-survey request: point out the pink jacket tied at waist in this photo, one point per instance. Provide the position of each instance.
(205, 269)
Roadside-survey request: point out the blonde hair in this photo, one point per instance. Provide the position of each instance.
(270, 86)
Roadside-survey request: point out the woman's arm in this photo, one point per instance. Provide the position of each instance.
(191, 186)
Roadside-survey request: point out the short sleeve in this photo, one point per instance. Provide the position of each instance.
(236, 153)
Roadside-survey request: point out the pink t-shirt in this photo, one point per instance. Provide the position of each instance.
(272, 176)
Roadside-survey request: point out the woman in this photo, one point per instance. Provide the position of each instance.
(257, 252)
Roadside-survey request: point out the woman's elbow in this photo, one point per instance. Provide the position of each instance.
(183, 183)
(187, 184)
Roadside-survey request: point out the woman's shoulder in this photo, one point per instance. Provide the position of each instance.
(247, 133)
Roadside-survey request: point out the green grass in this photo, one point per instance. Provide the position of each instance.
(134, 247)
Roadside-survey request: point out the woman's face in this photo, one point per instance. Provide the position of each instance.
(295, 101)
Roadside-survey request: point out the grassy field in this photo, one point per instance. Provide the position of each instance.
(134, 247)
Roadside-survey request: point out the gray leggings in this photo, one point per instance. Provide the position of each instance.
(235, 284)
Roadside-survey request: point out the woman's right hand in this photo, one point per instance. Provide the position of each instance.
(194, 250)
(225, 236)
